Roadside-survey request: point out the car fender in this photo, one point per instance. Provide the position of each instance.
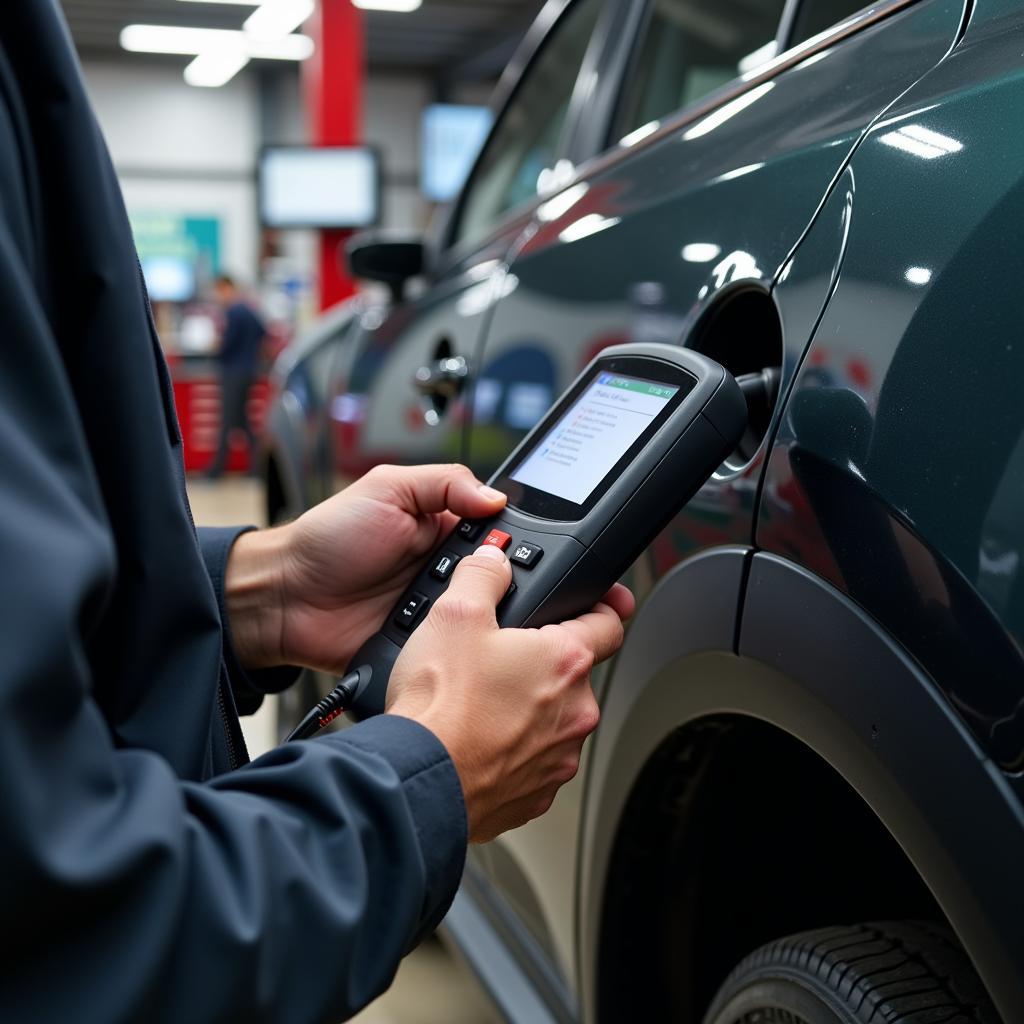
(802, 657)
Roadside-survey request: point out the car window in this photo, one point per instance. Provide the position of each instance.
(525, 142)
(688, 49)
(814, 16)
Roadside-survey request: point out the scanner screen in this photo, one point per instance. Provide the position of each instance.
(576, 454)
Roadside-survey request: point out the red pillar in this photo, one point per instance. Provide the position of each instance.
(332, 82)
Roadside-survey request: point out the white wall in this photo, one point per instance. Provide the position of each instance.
(392, 109)
(181, 149)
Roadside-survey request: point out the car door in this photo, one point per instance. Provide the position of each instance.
(402, 397)
(719, 155)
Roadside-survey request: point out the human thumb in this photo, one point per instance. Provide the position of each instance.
(481, 579)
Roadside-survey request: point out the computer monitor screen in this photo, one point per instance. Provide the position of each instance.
(331, 187)
(169, 278)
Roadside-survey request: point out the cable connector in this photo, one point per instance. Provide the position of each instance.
(340, 699)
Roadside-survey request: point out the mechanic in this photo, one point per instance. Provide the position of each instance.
(239, 355)
(148, 874)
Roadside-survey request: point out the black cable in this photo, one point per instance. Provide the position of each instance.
(340, 699)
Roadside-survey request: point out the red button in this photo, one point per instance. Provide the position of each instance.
(498, 539)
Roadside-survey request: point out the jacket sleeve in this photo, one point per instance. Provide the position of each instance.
(249, 686)
(286, 891)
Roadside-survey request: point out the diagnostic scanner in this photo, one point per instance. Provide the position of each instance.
(637, 434)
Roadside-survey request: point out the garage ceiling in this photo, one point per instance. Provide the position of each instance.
(451, 39)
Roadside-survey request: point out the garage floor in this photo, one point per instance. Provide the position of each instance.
(431, 988)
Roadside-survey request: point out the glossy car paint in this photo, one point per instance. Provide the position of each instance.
(628, 260)
(898, 471)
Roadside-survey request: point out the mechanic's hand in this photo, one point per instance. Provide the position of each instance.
(337, 570)
(512, 706)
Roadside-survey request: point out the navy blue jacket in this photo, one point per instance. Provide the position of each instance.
(140, 878)
(242, 341)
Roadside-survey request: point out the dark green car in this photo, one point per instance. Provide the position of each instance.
(805, 800)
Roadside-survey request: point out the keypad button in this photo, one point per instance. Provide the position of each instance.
(526, 554)
(444, 566)
(411, 610)
(468, 530)
(498, 539)
(512, 588)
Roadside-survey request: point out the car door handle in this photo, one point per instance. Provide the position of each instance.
(443, 378)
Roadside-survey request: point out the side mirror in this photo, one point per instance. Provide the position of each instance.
(392, 261)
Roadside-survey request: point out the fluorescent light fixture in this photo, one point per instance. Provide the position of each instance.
(394, 6)
(216, 66)
(639, 134)
(918, 275)
(561, 204)
(277, 18)
(240, 3)
(194, 41)
(700, 252)
(731, 109)
(586, 226)
(920, 141)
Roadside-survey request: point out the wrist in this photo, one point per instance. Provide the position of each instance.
(254, 595)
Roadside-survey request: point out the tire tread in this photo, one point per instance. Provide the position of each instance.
(885, 972)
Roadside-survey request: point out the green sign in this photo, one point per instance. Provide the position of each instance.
(172, 236)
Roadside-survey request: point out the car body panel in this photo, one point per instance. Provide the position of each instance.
(811, 663)
(295, 437)
(611, 259)
(899, 469)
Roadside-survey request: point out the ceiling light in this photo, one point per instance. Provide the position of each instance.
(918, 275)
(216, 66)
(240, 3)
(277, 18)
(395, 6)
(194, 41)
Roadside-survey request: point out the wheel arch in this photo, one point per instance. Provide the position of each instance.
(798, 659)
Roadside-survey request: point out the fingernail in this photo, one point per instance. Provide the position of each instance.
(490, 493)
(490, 551)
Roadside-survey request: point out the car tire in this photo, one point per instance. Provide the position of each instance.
(886, 973)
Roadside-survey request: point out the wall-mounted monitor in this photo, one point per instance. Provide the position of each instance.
(452, 137)
(169, 278)
(329, 187)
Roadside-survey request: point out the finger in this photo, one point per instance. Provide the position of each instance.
(425, 489)
(621, 600)
(478, 584)
(599, 630)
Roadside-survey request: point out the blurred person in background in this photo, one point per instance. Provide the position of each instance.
(239, 357)
(148, 871)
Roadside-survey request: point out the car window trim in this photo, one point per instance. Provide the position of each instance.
(787, 22)
(837, 33)
(450, 253)
(612, 60)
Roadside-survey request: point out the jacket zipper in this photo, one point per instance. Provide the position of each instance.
(222, 704)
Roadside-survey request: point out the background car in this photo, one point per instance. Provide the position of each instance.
(804, 801)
